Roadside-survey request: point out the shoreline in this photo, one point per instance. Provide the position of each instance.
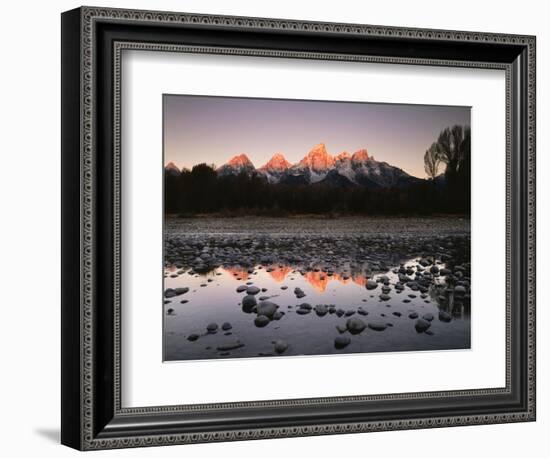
(313, 216)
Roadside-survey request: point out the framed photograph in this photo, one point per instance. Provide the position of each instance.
(278, 228)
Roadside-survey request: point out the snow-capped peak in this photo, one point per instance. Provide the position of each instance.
(277, 163)
(318, 159)
(361, 155)
(172, 166)
(240, 160)
(343, 156)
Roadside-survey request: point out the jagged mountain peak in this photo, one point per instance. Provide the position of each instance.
(236, 165)
(240, 160)
(277, 163)
(318, 159)
(318, 166)
(172, 169)
(361, 155)
(172, 166)
(343, 156)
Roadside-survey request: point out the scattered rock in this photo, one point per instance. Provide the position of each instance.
(280, 346)
(261, 320)
(428, 317)
(267, 308)
(252, 290)
(169, 293)
(444, 316)
(212, 327)
(421, 325)
(355, 325)
(321, 309)
(226, 326)
(459, 290)
(341, 328)
(377, 325)
(371, 284)
(192, 337)
(248, 303)
(230, 346)
(341, 342)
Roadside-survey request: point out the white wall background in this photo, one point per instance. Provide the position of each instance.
(30, 214)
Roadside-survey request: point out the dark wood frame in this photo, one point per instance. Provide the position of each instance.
(92, 42)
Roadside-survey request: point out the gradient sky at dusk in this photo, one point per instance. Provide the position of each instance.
(214, 129)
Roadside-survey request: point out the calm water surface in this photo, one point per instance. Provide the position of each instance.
(213, 298)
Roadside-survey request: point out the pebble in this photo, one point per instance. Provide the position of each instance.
(248, 303)
(355, 325)
(252, 290)
(261, 320)
(341, 328)
(267, 308)
(212, 327)
(321, 309)
(421, 325)
(371, 284)
(280, 346)
(230, 346)
(377, 325)
(341, 342)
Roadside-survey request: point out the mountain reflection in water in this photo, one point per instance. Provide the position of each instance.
(312, 323)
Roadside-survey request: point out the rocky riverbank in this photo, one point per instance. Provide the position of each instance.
(279, 273)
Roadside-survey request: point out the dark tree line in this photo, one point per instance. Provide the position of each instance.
(202, 191)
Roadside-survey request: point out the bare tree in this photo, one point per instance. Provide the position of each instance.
(432, 160)
(454, 147)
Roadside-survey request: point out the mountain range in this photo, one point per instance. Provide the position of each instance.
(319, 167)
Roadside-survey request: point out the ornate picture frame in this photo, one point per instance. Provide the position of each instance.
(93, 416)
